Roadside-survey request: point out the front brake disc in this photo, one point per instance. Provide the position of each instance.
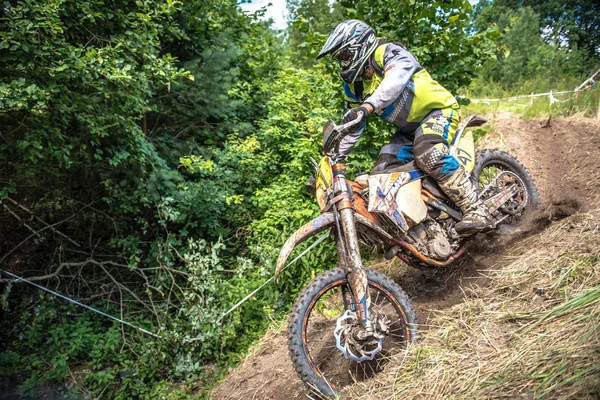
(366, 349)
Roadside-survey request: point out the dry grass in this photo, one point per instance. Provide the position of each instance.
(533, 332)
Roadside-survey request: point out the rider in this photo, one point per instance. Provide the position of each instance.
(386, 79)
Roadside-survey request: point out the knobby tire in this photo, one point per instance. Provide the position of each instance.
(489, 158)
(303, 306)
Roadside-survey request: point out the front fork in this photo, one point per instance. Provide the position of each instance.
(347, 248)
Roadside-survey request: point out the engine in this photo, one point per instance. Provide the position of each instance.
(430, 238)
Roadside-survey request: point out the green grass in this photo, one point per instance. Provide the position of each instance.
(532, 332)
(582, 103)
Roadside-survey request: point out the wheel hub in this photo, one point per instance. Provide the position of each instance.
(506, 179)
(356, 342)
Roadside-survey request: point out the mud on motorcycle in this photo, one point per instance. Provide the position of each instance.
(348, 321)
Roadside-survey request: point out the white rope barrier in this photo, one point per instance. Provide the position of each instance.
(62, 296)
(271, 279)
(555, 100)
(550, 94)
(526, 96)
(147, 332)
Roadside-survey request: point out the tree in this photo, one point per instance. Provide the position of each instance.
(436, 33)
(571, 23)
(533, 61)
(307, 19)
(132, 170)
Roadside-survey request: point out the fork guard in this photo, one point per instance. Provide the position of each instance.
(319, 224)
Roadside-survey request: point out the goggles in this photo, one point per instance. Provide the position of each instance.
(344, 57)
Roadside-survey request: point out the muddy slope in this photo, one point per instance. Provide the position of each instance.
(563, 159)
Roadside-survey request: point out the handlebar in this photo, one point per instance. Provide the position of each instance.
(333, 134)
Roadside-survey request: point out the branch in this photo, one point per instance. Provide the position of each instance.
(67, 264)
(43, 222)
(41, 230)
(11, 212)
(35, 278)
(120, 286)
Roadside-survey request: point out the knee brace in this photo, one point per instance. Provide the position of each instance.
(429, 150)
(432, 156)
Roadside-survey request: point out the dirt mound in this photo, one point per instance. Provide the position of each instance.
(267, 372)
(561, 157)
(563, 160)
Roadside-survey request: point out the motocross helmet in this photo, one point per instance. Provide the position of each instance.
(350, 43)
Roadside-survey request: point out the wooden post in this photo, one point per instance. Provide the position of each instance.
(598, 115)
(531, 99)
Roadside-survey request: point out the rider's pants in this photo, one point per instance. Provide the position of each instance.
(427, 145)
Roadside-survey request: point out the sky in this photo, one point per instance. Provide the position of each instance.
(277, 10)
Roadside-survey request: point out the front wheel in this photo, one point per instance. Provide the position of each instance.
(496, 171)
(319, 319)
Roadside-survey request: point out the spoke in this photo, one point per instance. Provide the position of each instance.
(327, 356)
(397, 321)
(328, 359)
(320, 331)
(312, 332)
(318, 341)
(402, 323)
(372, 370)
(364, 369)
(333, 346)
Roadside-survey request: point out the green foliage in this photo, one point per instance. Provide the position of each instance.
(302, 102)
(167, 145)
(571, 24)
(52, 345)
(531, 64)
(436, 33)
(105, 128)
(87, 68)
(309, 22)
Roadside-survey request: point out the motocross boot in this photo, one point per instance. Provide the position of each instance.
(463, 193)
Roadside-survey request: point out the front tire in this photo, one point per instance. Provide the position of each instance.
(319, 363)
(490, 163)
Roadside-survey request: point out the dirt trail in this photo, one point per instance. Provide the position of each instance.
(563, 160)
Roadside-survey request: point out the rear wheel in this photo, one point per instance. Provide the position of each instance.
(496, 171)
(320, 324)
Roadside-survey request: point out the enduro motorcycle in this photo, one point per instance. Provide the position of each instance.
(348, 321)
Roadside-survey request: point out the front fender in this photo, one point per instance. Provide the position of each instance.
(315, 226)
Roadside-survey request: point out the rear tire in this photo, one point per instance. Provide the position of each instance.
(489, 162)
(322, 366)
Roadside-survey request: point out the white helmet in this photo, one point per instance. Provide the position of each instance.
(350, 43)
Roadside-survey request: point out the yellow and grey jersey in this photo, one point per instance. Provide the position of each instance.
(402, 93)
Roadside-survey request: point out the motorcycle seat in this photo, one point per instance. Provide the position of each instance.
(408, 167)
(432, 187)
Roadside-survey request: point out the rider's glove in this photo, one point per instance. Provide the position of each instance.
(353, 114)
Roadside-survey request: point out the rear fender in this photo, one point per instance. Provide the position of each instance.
(315, 226)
